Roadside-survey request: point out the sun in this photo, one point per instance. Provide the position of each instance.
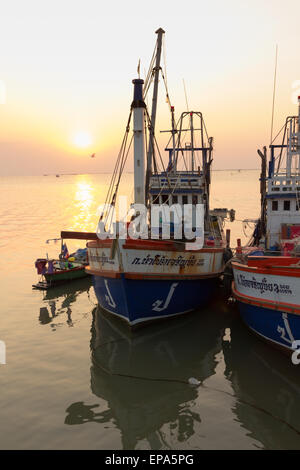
(82, 139)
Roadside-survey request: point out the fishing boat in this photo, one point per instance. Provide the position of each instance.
(144, 274)
(67, 268)
(267, 270)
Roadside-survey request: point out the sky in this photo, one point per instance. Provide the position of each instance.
(66, 69)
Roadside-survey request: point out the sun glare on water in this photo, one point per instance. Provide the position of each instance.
(82, 139)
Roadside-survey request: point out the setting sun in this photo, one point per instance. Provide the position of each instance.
(82, 139)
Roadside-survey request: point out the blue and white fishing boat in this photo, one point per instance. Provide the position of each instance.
(267, 271)
(154, 277)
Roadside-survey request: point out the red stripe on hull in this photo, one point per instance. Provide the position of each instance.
(291, 271)
(270, 261)
(100, 243)
(152, 245)
(172, 276)
(103, 273)
(135, 275)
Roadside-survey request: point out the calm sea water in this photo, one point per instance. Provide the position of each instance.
(76, 379)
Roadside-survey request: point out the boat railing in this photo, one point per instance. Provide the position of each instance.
(283, 183)
(186, 179)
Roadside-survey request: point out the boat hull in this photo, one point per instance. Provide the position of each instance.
(268, 300)
(144, 280)
(279, 328)
(65, 276)
(142, 300)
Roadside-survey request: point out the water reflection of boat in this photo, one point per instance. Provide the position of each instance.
(66, 290)
(267, 389)
(59, 300)
(144, 376)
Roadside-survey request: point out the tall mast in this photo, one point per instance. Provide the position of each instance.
(159, 33)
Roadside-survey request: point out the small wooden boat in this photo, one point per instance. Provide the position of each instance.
(59, 271)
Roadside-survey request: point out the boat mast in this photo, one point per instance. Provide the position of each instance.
(263, 190)
(156, 69)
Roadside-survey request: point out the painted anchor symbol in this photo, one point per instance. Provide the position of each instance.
(157, 304)
(109, 298)
(285, 329)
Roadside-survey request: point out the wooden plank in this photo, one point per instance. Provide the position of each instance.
(78, 235)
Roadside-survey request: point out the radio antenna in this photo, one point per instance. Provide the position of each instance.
(274, 91)
(186, 100)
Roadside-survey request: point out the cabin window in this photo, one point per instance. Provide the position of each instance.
(286, 205)
(184, 199)
(274, 205)
(195, 199)
(155, 199)
(175, 199)
(164, 198)
(297, 205)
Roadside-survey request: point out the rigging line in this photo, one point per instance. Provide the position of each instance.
(161, 188)
(154, 138)
(274, 90)
(150, 69)
(110, 194)
(186, 100)
(120, 174)
(284, 125)
(150, 74)
(169, 184)
(124, 162)
(148, 82)
(167, 91)
(164, 54)
(206, 133)
(177, 144)
(121, 171)
(112, 182)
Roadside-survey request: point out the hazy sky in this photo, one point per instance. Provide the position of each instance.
(67, 68)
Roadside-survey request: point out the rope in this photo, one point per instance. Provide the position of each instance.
(117, 173)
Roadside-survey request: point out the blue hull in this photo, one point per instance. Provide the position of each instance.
(142, 300)
(278, 327)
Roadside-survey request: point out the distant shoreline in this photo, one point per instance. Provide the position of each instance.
(110, 172)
